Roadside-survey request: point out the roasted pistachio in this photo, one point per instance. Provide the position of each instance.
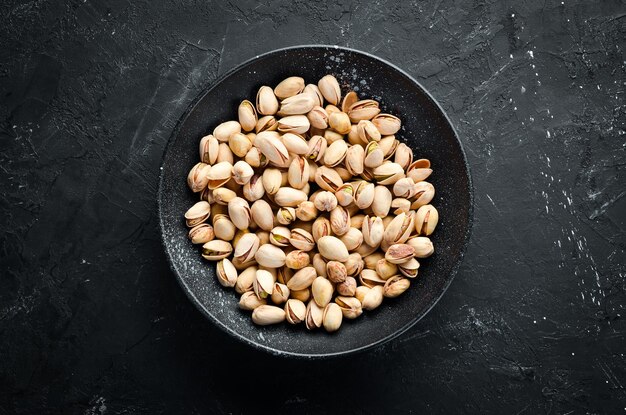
(298, 174)
(216, 249)
(423, 246)
(198, 178)
(339, 220)
(297, 105)
(297, 259)
(280, 294)
(268, 314)
(335, 153)
(332, 317)
(399, 253)
(329, 87)
(270, 256)
(336, 271)
(201, 233)
(224, 130)
(289, 87)
(249, 301)
(426, 220)
(295, 311)
(363, 110)
(285, 215)
(347, 287)
(350, 306)
(246, 247)
(306, 211)
(302, 279)
(198, 213)
(322, 291)
(266, 102)
(247, 115)
(209, 147)
(387, 124)
(395, 286)
(301, 239)
(332, 248)
(226, 273)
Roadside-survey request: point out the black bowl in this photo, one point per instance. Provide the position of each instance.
(426, 129)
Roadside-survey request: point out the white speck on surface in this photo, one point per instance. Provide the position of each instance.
(523, 89)
(511, 55)
(547, 133)
(531, 54)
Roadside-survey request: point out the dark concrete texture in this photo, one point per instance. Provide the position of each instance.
(93, 321)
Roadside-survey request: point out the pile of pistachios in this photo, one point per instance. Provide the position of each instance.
(321, 210)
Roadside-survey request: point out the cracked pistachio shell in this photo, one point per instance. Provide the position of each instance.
(400, 205)
(266, 102)
(356, 219)
(272, 179)
(247, 115)
(249, 301)
(289, 87)
(226, 273)
(224, 130)
(270, 256)
(255, 158)
(352, 239)
(373, 298)
(297, 124)
(268, 314)
(279, 236)
(345, 194)
(239, 212)
(370, 278)
(245, 280)
(246, 247)
(198, 213)
(332, 317)
(347, 288)
(325, 201)
(318, 118)
(340, 122)
(302, 295)
(366, 249)
(404, 188)
(386, 269)
(363, 110)
(339, 220)
(223, 227)
(254, 190)
(314, 315)
(332, 248)
(242, 172)
(382, 201)
(289, 197)
(297, 105)
(222, 195)
(239, 144)
(329, 87)
(399, 229)
(387, 124)
(331, 108)
(295, 311)
(225, 154)
(280, 294)
(364, 193)
(374, 155)
(419, 170)
(319, 263)
(266, 123)
(336, 271)
(328, 179)
(313, 90)
(424, 193)
(360, 292)
(209, 146)
(367, 132)
(295, 144)
(395, 286)
(219, 174)
(332, 136)
(198, 179)
(272, 148)
(409, 268)
(317, 147)
(321, 227)
(426, 219)
(285, 215)
(388, 144)
(388, 173)
(350, 306)
(403, 156)
(201, 233)
(335, 153)
(322, 291)
(297, 259)
(216, 249)
(262, 214)
(355, 158)
(399, 253)
(301, 239)
(302, 279)
(423, 246)
(353, 136)
(298, 173)
(354, 264)
(373, 230)
(306, 211)
(347, 101)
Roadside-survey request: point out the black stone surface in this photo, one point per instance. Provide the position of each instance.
(92, 320)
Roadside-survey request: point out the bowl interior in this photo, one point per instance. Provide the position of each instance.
(425, 129)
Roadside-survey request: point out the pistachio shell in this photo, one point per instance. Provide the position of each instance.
(209, 146)
(219, 174)
(399, 253)
(382, 201)
(340, 122)
(332, 248)
(373, 298)
(226, 273)
(409, 268)
(347, 287)
(280, 294)
(329, 87)
(254, 190)
(289, 197)
(322, 291)
(298, 174)
(367, 132)
(198, 213)
(245, 281)
(197, 179)
(388, 173)
(295, 144)
(271, 180)
(249, 301)
(247, 115)
(297, 105)
(317, 147)
(297, 124)
(246, 247)
(426, 220)
(395, 286)
(297, 259)
(201, 233)
(321, 227)
(223, 227)
(272, 147)
(270, 256)
(335, 153)
(266, 123)
(328, 179)
(387, 124)
(302, 239)
(332, 317)
(347, 101)
(302, 279)
(355, 157)
(318, 117)
(423, 246)
(315, 92)
(295, 311)
(325, 201)
(314, 316)
(268, 314)
(224, 130)
(261, 213)
(242, 172)
(239, 212)
(306, 211)
(285, 215)
(363, 110)
(289, 87)
(216, 249)
(424, 193)
(266, 102)
(336, 271)
(339, 220)
(350, 306)
(374, 155)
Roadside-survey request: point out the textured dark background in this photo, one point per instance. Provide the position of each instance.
(91, 318)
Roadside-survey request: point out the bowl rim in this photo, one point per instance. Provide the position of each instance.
(259, 346)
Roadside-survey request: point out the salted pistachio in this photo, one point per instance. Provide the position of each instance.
(317, 148)
(370, 278)
(400, 228)
(360, 293)
(285, 215)
(224, 130)
(239, 144)
(268, 314)
(424, 194)
(223, 227)
(239, 234)
(423, 246)
(339, 220)
(332, 317)
(363, 110)
(403, 156)
(297, 105)
(371, 260)
(320, 228)
(279, 236)
(261, 213)
(350, 307)
(419, 170)
(367, 175)
(387, 124)
(295, 311)
(365, 249)
(330, 108)
(270, 256)
(322, 291)
(409, 268)
(197, 179)
(329, 87)
(289, 87)
(318, 118)
(335, 153)
(246, 247)
(242, 172)
(266, 123)
(374, 155)
(219, 174)
(386, 269)
(404, 187)
(272, 147)
(295, 144)
(301, 239)
(347, 101)
(332, 136)
(297, 124)
(356, 218)
(226, 273)
(355, 158)
(239, 212)
(395, 286)
(332, 248)
(280, 294)
(198, 213)
(306, 211)
(382, 201)
(209, 146)
(426, 219)
(336, 271)
(283, 274)
(340, 122)
(298, 174)
(388, 173)
(373, 298)
(388, 144)
(249, 301)
(297, 259)
(289, 197)
(400, 205)
(254, 190)
(247, 115)
(216, 249)
(255, 158)
(266, 102)
(364, 193)
(367, 132)
(328, 179)
(201, 233)
(354, 265)
(399, 253)
(222, 195)
(315, 92)
(272, 179)
(302, 279)
(325, 201)
(373, 230)
(314, 315)
(245, 280)
(352, 239)
(301, 295)
(345, 194)
(347, 288)
(319, 263)
(264, 237)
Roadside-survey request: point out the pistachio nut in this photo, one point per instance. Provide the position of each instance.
(356, 219)
(289, 197)
(216, 249)
(388, 144)
(409, 268)
(302, 279)
(226, 273)
(374, 155)
(283, 274)
(224, 130)
(347, 288)
(255, 158)
(298, 174)
(246, 247)
(314, 316)
(332, 248)
(387, 124)
(223, 227)
(270, 256)
(395, 286)
(301, 239)
(320, 228)
(197, 179)
(373, 298)
(423, 246)
(339, 221)
(198, 213)
(301, 295)
(242, 172)
(382, 201)
(209, 146)
(399, 229)
(318, 118)
(201, 234)
(317, 148)
(239, 144)
(239, 212)
(295, 144)
(400, 205)
(364, 193)
(297, 259)
(332, 136)
(353, 136)
(268, 314)
(306, 211)
(352, 239)
(336, 271)
(254, 190)
(355, 158)
(222, 195)
(297, 124)
(403, 156)
(340, 122)
(363, 110)
(295, 311)
(328, 179)
(319, 263)
(373, 230)
(404, 187)
(367, 132)
(419, 170)
(372, 260)
(297, 105)
(426, 220)
(350, 306)
(279, 236)
(247, 115)
(332, 317)
(289, 87)
(325, 201)
(219, 174)
(245, 281)
(329, 87)
(347, 101)
(424, 193)
(365, 249)
(267, 123)
(370, 278)
(322, 291)
(272, 179)
(280, 294)
(360, 292)
(261, 213)
(399, 253)
(335, 153)
(266, 102)
(354, 264)
(386, 269)
(388, 173)
(285, 215)
(315, 92)
(249, 301)
(272, 148)
(345, 194)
